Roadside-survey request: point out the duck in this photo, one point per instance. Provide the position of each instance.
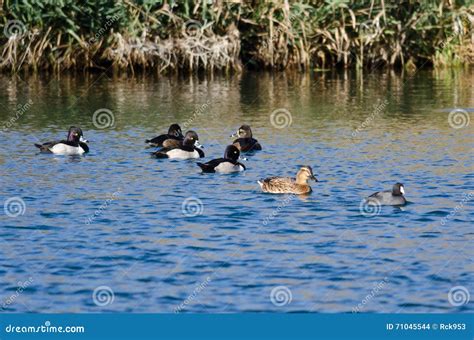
(389, 197)
(228, 164)
(245, 141)
(188, 148)
(174, 134)
(288, 185)
(74, 145)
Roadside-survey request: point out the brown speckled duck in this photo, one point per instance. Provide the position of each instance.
(288, 185)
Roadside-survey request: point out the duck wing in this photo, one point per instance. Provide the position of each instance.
(247, 144)
(171, 143)
(45, 147)
(380, 195)
(161, 153)
(278, 185)
(255, 145)
(279, 180)
(375, 194)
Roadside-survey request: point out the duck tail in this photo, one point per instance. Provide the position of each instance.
(42, 148)
(159, 155)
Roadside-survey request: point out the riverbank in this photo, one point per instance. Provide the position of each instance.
(228, 37)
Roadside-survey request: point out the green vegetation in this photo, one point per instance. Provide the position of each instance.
(190, 35)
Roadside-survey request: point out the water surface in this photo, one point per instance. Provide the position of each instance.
(115, 217)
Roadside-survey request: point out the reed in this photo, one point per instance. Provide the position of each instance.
(166, 36)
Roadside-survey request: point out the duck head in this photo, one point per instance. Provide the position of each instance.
(75, 135)
(305, 173)
(175, 130)
(191, 139)
(398, 189)
(232, 153)
(243, 132)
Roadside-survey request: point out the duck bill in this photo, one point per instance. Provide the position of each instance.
(314, 178)
(82, 139)
(198, 145)
(236, 134)
(243, 158)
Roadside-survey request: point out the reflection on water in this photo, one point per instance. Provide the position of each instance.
(118, 218)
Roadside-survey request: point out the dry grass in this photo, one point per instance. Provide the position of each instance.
(277, 35)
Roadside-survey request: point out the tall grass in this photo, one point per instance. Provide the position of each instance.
(191, 35)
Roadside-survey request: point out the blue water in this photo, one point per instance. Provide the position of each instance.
(115, 216)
